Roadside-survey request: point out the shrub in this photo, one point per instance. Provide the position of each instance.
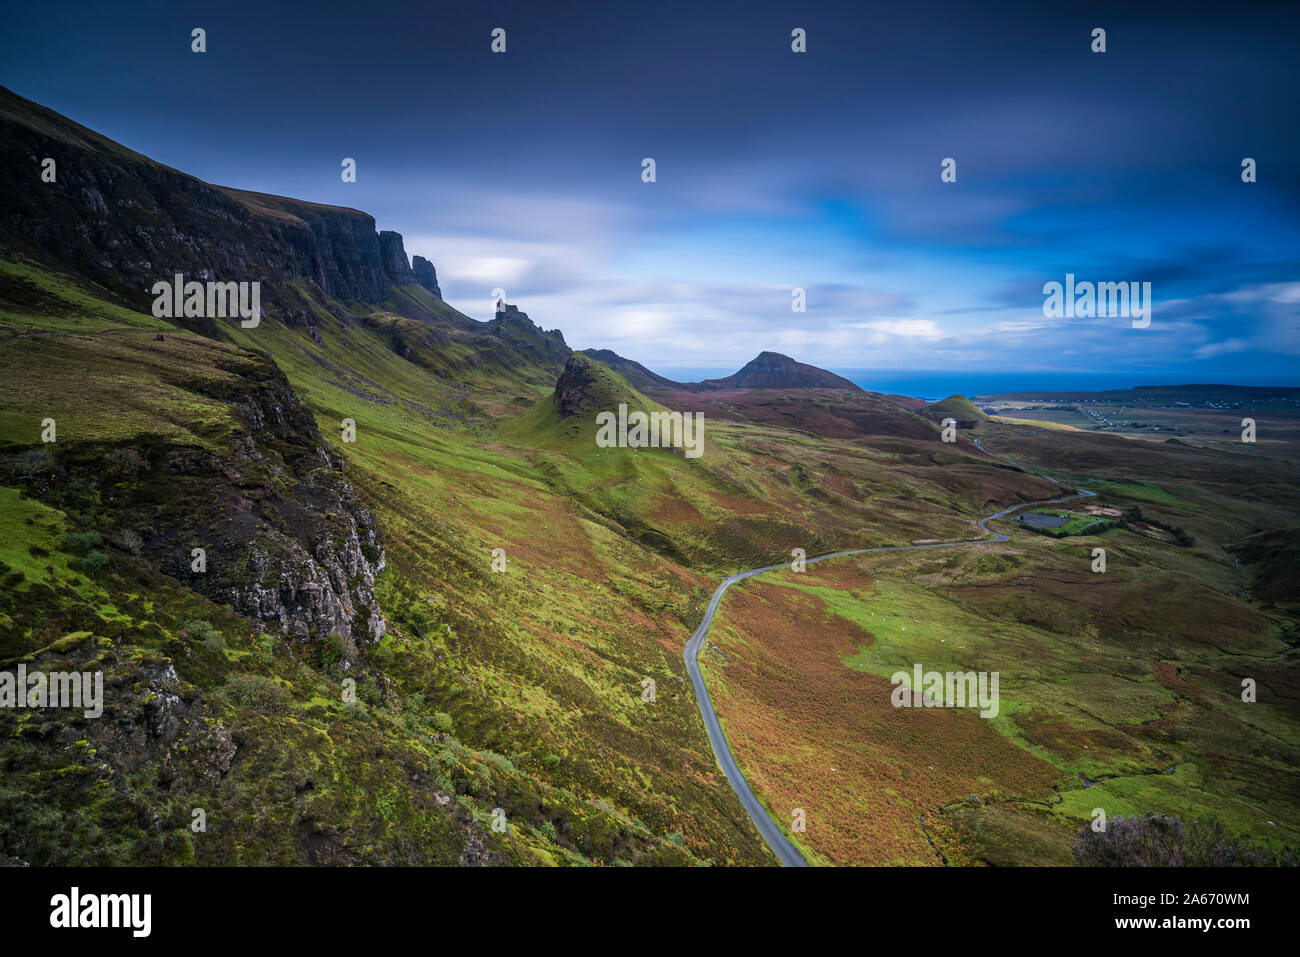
(122, 464)
(356, 711)
(198, 628)
(442, 721)
(1155, 841)
(368, 692)
(333, 650)
(93, 561)
(80, 543)
(203, 632)
(30, 465)
(256, 692)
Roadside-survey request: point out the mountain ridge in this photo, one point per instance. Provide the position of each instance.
(767, 370)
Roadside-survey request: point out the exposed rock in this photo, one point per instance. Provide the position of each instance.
(425, 274)
(521, 334)
(393, 254)
(126, 222)
(573, 390)
(284, 537)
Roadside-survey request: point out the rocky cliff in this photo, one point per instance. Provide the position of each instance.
(125, 221)
(425, 274)
(284, 539)
(393, 255)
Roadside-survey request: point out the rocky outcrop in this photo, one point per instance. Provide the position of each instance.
(283, 536)
(302, 553)
(522, 337)
(425, 274)
(575, 387)
(393, 255)
(586, 387)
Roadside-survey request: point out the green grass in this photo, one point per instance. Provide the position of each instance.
(959, 407)
(1070, 677)
(611, 556)
(1139, 492)
(1077, 524)
(39, 301)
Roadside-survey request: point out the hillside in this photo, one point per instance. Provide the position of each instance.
(958, 407)
(771, 370)
(767, 370)
(121, 222)
(428, 594)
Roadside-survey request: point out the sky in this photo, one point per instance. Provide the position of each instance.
(774, 170)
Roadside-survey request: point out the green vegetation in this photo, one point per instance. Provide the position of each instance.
(958, 407)
(359, 577)
(1152, 841)
(1076, 524)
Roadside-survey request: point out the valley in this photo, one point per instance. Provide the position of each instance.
(432, 597)
(1117, 693)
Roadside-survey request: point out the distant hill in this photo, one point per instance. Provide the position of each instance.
(958, 407)
(634, 372)
(1190, 394)
(771, 370)
(767, 370)
(774, 389)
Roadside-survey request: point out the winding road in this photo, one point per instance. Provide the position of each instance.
(785, 851)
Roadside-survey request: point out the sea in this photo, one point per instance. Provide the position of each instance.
(935, 384)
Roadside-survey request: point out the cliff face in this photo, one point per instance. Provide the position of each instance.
(300, 551)
(284, 538)
(125, 222)
(576, 391)
(425, 274)
(393, 255)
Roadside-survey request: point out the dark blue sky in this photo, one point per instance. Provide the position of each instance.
(775, 170)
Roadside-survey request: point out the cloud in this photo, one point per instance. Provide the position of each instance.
(1213, 349)
(909, 328)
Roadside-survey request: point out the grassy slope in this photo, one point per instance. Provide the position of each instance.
(452, 668)
(959, 407)
(518, 689)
